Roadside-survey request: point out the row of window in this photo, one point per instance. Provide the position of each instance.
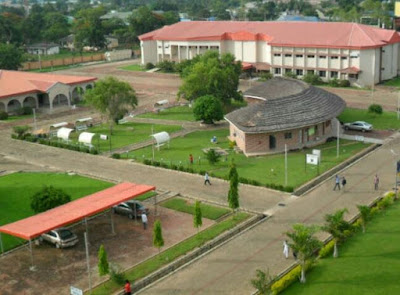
(300, 72)
(313, 56)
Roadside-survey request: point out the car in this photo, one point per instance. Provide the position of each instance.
(129, 208)
(358, 125)
(60, 237)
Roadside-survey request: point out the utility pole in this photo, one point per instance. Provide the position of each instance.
(286, 176)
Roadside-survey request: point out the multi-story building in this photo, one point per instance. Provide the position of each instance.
(363, 54)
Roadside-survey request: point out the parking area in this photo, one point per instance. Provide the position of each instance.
(57, 269)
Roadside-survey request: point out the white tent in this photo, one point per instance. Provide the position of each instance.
(161, 138)
(64, 133)
(54, 128)
(86, 138)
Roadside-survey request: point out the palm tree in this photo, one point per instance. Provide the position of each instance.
(262, 282)
(365, 215)
(304, 244)
(336, 226)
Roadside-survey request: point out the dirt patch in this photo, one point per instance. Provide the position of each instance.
(58, 269)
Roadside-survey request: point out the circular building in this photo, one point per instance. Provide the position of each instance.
(283, 111)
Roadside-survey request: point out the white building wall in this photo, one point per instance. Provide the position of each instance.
(249, 52)
(368, 61)
(389, 61)
(148, 51)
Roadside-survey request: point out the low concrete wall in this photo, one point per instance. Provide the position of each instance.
(61, 62)
(116, 55)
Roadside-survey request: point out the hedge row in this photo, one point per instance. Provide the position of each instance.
(293, 275)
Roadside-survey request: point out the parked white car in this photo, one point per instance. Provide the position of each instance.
(60, 237)
(358, 125)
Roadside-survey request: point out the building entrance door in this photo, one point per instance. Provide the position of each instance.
(272, 142)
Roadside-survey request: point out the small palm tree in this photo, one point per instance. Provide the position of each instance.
(365, 215)
(337, 227)
(262, 282)
(304, 244)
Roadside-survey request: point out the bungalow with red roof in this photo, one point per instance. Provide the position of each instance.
(363, 54)
(37, 90)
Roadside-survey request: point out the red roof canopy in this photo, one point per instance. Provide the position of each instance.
(36, 225)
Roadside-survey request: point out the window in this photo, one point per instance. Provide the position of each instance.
(310, 56)
(277, 54)
(322, 74)
(299, 56)
(287, 71)
(353, 56)
(334, 57)
(310, 72)
(288, 135)
(334, 74)
(344, 57)
(299, 72)
(353, 76)
(277, 71)
(322, 57)
(288, 55)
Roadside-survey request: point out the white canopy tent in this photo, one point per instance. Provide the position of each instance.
(63, 133)
(86, 138)
(54, 128)
(161, 138)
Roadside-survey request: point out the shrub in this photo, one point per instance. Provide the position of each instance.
(117, 275)
(118, 156)
(290, 75)
(357, 225)
(21, 130)
(385, 202)
(289, 189)
(25, 111)
(312, 79)
(285, 281)
(243, 180)
(48, 198)
(334, 82)
(213, 157)
(149, 66)
(232, 144)
(374, 210)
(327, 249)
(166, 66)
(146, 162)
(375, 109)
(344, 83)
(3, 115)
(264, 76)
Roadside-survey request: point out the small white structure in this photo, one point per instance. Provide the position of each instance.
(83, 124)
(161, 138)
(161, 103)
(63, 133)
(86, 138)
(55, 127)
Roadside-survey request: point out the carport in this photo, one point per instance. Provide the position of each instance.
(80, 209)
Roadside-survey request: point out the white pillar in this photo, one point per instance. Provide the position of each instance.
(87, 260)
(179, 53)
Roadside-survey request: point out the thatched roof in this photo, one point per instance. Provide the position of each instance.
(289, 104)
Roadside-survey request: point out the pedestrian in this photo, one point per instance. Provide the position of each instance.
(295, 255)
(191, 159)
(127, 288)
(376, 181)
(144, 220)
(285, 249)
(337, 183)
(206, 179)
(344, 181)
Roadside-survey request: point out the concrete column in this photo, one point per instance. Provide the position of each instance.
(187, 51)
(198, 50)
(179, 53)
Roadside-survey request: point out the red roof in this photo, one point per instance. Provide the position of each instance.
(351, 70)
(295, 34)
(13, 83)
(36, 225)
(246, 66)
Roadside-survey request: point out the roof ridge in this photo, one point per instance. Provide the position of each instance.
(365, 33)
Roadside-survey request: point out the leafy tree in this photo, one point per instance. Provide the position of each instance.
(158, 240)
(10, 57)
(47, 198)
(337, 227)
(11, 27)
(375, 109)
(143, 20)
(112, 97)
(213, 157)
(197, 216)
(103, 265)
(34, 24)
(304, 244)
(212, 74)
(233, 194)
(55, 27)
(262, 282)
(365, 215)
(208, 109)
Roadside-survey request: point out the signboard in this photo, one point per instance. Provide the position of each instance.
(317, 153)
(103, 137)
(396, 9)
(312, 159)
(75, 291)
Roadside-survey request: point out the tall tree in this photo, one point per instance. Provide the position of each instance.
(233, 194)
(103, 265)
(10, 57)
(11, 27)
(197, 216)
(55, 27)
(158, 240)
(365, 215)
(112, 98)
(143, 20)
(303, 243)
(208, 109)
(34, 24)
(337, 227)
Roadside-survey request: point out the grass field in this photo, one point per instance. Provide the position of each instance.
(16, 190)
(180, 113)
(368, 263)
(265, 169)
(184, 205)
(387, 120)
(134, 68)
(145, 268)
(393, 82)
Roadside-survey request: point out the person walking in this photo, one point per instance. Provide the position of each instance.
(376, 181)
(191, 159)
(337, 183)
(127, 288)
(144, 220)
(344, 181)
(206, 179)
(295, 255)
(285, 249)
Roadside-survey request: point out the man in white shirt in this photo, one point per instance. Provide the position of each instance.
(144, 220)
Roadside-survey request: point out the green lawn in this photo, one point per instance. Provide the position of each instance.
(147, 267)
(16, 190)
(146, 196)
(368, 263)
(393, 82)
(184, 205)
(387, 120)
(180, 113)
(265, 169)
(15, 118)
(134, 68)
(124, 134)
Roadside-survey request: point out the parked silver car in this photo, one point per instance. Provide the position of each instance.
(60, 237)
(358, 125)
(129, 208)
